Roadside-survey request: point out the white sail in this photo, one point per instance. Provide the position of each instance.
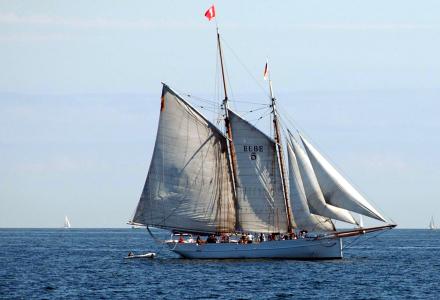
(303, 218)
(188, 186)
(66, 222)
(337, 191)
(432, 224)
(259, 186)
(315, 198)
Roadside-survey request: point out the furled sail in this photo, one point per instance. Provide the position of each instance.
(259, 186)
(188, 186)
(315, 198)
(304, 219)
(337, 191)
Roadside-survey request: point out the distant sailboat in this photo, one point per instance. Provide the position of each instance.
(66, 222)
(432, 224)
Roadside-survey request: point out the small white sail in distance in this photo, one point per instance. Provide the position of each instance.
(66, 222)
(432, 225)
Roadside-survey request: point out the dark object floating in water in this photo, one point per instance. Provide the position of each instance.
(49, 288)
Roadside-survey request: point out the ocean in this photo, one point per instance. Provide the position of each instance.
(89, 264)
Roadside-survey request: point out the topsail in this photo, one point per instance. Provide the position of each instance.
(188, 186)
(337, 191)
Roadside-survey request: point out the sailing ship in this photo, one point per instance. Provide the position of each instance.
(66, 222)
(432, 224)
(235, 182)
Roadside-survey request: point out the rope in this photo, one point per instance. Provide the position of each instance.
(244, 67)
(364, 240)
(158, 241)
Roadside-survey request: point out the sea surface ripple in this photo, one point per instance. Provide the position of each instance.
(88, 263)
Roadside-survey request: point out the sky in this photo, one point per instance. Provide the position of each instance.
(80, 84)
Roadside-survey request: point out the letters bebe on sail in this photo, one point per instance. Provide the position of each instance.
(255, 148)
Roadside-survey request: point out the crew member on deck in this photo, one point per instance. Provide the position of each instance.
(211, 239)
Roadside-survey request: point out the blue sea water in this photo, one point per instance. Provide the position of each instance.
(89, 264)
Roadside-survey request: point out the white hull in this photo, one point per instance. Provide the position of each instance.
(293, 249)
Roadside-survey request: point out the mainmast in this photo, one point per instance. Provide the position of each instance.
(231, 148)
(279, 149)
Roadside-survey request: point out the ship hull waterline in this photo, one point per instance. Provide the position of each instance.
(329, 248)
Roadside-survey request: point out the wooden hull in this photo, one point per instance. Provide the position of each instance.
(290, 249)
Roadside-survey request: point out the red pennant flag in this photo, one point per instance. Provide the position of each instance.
(266, 72)
(210, 13)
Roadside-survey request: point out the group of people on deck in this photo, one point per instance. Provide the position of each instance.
(249, 238)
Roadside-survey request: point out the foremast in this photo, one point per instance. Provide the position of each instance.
(231, 148)
(279, 151)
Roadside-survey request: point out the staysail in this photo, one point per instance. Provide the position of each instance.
(337, 191)
(188, 186)
(259, 187)
(304, 219)
(314, 195)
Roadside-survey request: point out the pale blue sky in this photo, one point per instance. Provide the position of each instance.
(80, 87)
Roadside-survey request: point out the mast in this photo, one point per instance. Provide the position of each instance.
(231, 148)
(279, 149)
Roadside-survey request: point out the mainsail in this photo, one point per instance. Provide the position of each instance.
(314, 195)
(337, 191)
(188, 186)
(259, 185)
(304, 219)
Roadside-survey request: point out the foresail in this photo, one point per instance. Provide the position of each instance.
(315, 198)
(188, 186)
(338, 191)
(259, 187)
(304, 219)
